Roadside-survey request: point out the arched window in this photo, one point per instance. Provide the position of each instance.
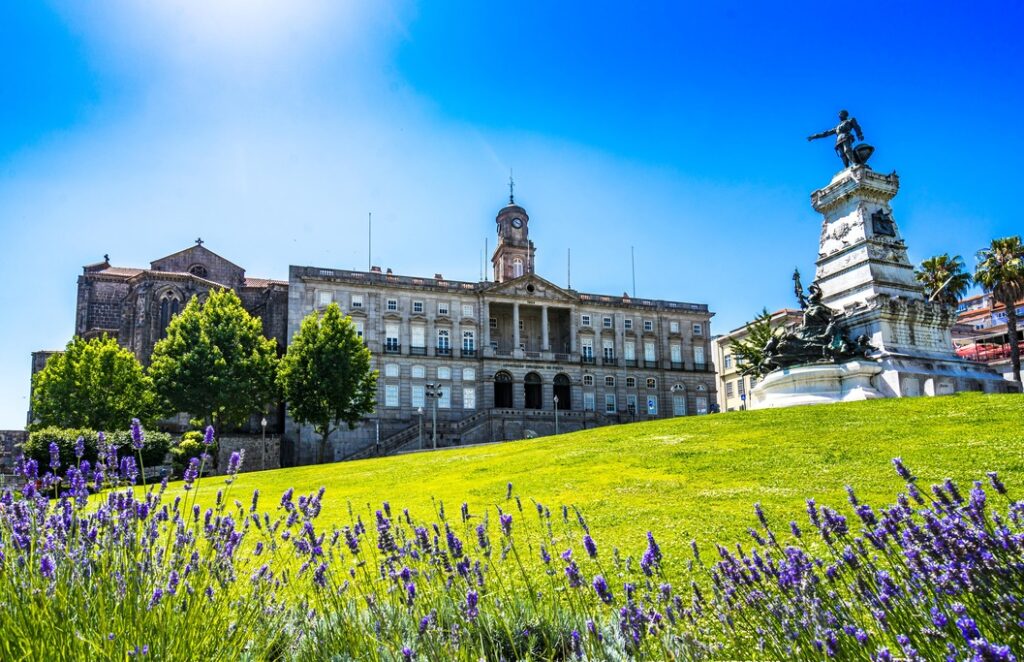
(563, 392)
(588, 380)
(533, 390)
(652, 382)
(503, 390)
(517, 267)
(197, 270)
(169, 307)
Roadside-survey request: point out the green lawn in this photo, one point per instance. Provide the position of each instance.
(693, 477)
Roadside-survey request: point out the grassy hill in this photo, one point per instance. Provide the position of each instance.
(694, 477)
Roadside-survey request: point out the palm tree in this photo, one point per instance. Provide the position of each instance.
(1000, 271)
(944, 278)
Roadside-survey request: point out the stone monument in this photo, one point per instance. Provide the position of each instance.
(864, 289)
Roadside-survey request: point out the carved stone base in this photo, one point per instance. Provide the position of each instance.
(817, 384)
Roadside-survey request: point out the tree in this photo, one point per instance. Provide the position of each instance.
(326, 376)
(215, 362)
(1000, 271)
(944, 278)
(93, 384)
(749, 352)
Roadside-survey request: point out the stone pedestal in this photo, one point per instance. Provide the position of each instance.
(864, 273)
(817, 384)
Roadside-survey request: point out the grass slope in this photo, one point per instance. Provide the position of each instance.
(694, 477)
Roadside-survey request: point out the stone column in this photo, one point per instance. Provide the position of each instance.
(515, 326)
(485, 321)
(545, 345)
(572, 330)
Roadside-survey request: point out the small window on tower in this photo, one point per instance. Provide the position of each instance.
(517, 267)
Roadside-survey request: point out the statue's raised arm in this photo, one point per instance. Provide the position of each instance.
(823, 134)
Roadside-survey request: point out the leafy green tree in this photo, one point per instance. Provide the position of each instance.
(92, 384)
(215, 362)
(749, 352)
(1000, 271)
(944, 278)
(326, 376)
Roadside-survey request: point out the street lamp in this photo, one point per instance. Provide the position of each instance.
(435, 393)
(420, 412)
(556, 414)
(263, 424)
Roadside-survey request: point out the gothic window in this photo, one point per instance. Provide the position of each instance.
(198, 270)
(169, 307)
(517, 267)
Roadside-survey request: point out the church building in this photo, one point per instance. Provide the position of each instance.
(510, 358)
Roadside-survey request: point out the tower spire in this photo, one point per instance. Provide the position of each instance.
(511, 188)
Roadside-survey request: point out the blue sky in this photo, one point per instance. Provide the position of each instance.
(271, 129)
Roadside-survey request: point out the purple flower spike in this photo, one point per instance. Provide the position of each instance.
(138, 439)
(80, 447)
(408, 654)
(590, 546)
(234, 462)
(191, 473)
(54, 456)
(601, 587)
(902, 470)
(208, 435)
(471, 605)
(506, 524)
(997, 484)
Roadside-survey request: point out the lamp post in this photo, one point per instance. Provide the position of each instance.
(434, 392)
(556, 414)
(420, 412)
(263, 424)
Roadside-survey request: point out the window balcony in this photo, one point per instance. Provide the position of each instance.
(629, 363)
(589, 360)
(443, 351)
(468, 353)
(676, 365)
(392, 348)
(702, 367)
(418, 351)
(609, 360)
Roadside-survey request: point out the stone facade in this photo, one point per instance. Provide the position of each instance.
(502, 350)
(259, 453)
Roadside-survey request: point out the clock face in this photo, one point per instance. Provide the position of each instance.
(517, 223)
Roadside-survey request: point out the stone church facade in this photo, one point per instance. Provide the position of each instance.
(500, 352)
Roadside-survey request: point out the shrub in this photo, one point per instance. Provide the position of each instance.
(189, 446)
(154, 450)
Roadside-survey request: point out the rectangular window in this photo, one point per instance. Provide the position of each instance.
(627, 324)
(444, 341)
(324, 299)
(392, 304)
(391, 395)
(728, 389)
(673, 326)
(727, 361)
(419, 336)
(445, 401)
(630, 382)
(678, 405)
(584, 320)
(588, 401)
(652, 382)
(493, 323)
(753, 382)
(467, 310)
(606, 322)
(357, 300)
(469, 397)
(391, 342)
(698, 329)
(739, 386)
(468, 341)
(442, 308)
(649, 350)
(419, 372)
(391, 370)
(609, 381)
(417, 306)
(629, 350)
(359, 329)
(648, 325)
(652, 405)
(702, 405)
(468, 374)
(698, 357)
(444, 372)
(609, 403)
(631, 403)
(587, 348)
(676, 353)
(419, 398)
(608, 350)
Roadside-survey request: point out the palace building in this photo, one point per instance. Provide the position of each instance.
(511, 358)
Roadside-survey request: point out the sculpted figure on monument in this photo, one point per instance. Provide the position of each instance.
(844, 133)
(821, 338)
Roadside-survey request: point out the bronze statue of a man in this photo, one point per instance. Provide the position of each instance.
(844, 132)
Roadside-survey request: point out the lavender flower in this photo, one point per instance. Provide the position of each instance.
(54, 456)
(191, 473)
(138, 439)
(208, 435)
(590, 546)
(80, 447)
(506, 524)
(472, 611)
(902, 470)
(234, 462)
(601, 587)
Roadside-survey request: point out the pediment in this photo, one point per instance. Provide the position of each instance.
(204, 263)
(531, 286)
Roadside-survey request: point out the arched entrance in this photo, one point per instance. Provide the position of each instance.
(532, 385)
(563, 391)
(502, 390)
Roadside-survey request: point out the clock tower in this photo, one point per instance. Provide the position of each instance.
(513, 256)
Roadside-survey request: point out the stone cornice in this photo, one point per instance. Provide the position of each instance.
(859, 180)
